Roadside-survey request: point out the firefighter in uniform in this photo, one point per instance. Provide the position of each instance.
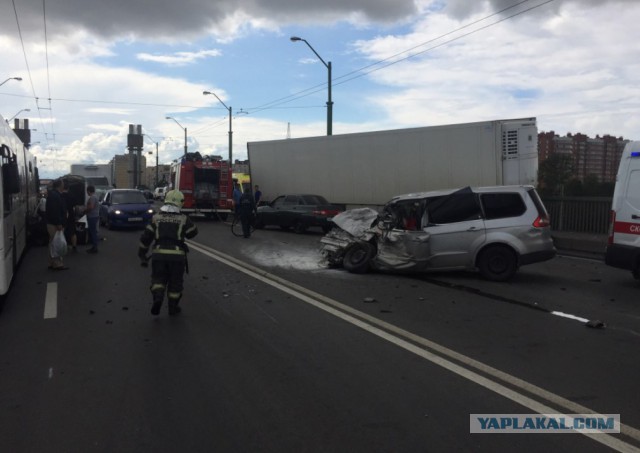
(168, 230)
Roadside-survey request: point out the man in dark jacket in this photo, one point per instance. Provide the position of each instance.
(56, 215)
(169, 229)
(246, 209)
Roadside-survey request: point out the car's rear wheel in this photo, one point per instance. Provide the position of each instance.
(498, 263)
(358, 257)
(299, 227)
(326, 229)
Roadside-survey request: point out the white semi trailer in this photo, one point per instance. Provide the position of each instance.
(367, 169)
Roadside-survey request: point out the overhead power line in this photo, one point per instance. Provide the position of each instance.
(278, 103)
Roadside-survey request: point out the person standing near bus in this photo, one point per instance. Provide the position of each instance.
(56, 214)
(93, 216)
(70, 224)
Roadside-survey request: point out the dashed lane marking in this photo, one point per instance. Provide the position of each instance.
(51, 301)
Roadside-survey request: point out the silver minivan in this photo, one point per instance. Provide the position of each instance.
(494, 230)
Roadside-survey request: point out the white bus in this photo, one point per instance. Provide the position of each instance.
(18, 196)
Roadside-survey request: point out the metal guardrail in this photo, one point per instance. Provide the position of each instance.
(579, 214)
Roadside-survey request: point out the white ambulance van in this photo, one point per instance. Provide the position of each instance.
(623, 248)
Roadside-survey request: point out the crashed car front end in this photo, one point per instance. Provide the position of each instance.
(334, 244)
(366, 240)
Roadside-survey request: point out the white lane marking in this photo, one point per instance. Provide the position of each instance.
(50, 373)
(51, 301)
(341, 311)
(567, 315)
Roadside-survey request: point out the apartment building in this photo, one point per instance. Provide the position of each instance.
(598, 156)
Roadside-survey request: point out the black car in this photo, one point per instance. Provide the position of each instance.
(298, 211)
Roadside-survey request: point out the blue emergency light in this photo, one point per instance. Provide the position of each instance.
(635, 154)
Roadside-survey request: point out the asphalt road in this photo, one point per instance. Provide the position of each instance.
(275, 352)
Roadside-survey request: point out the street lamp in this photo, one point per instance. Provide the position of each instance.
(329, 101)
(157, 175)
(230, 126)
(11, 78)
(23, 110)
(185, 133)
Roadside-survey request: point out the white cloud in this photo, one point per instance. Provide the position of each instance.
(179, 58)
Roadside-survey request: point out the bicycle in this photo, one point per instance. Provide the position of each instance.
(236, 225)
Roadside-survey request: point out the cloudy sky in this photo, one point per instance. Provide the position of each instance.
(90, 68)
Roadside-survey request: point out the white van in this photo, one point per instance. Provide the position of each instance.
(159, 193)
(623, 249)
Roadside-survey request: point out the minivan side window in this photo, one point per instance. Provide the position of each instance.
(502, 205)
(457, 207)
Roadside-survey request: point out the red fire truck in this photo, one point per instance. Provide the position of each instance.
(206, 183)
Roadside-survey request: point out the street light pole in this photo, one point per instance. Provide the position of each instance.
(329, 101)
(11, 78)
(185, 133)
(230, 126)
(23, 110)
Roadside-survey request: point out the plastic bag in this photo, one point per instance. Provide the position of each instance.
(58, 245)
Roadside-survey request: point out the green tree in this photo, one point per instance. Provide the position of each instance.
(574, 188)
(554, 173)
(591, 186)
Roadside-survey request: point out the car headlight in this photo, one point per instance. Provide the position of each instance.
(150, 211)
(117, 212)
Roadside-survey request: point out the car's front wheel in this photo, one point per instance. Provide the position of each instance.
(498, 263)
(358, 257)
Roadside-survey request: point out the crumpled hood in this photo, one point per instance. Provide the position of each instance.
(356, 221)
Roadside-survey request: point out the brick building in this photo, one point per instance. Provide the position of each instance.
(598, 156)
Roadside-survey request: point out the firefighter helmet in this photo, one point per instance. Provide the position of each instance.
(175, 198)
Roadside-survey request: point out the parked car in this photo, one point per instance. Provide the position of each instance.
(494, 230)
(297, 211)
(159, 193)
(125, 208)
